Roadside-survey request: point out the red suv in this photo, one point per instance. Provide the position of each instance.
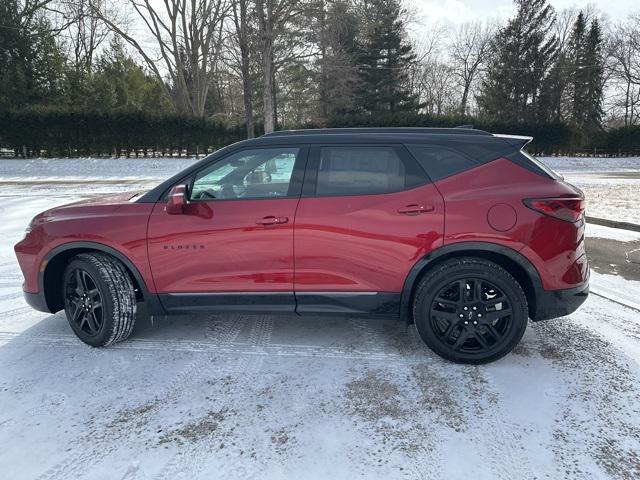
(457, 230)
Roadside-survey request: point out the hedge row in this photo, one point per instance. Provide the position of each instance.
(64, 133)
(553, 138)
(68, 133)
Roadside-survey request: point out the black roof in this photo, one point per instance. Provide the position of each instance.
(462, 130)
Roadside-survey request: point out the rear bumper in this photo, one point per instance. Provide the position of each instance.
(37, 301)
(558, 303)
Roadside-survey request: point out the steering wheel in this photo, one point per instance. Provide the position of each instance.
(206, 194)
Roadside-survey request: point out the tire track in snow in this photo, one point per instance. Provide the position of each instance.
(17, 340)
(507, 449)
(425, 459)
(189, 460)
(102, 444)
(610, 410)
(10, 296)
(14, 312)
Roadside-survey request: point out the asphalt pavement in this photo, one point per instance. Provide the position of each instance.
(614, 257)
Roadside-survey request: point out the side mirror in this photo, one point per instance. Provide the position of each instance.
(177, 200)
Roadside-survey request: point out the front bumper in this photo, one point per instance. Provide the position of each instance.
(558, 303)
(37, 301)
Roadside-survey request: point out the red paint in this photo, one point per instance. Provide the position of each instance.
(349, 243)
(240, 245)
(112, 221)
(553, 246)
(363, 243)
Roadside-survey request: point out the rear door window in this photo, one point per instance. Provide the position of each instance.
(365, 170)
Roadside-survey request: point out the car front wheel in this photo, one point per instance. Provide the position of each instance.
(99, 299)
(470, 310)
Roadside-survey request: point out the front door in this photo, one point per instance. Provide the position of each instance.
(232, 247)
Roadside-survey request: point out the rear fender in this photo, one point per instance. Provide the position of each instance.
(480, 249)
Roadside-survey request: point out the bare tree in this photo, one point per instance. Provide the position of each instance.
(438, 89)
(85, 32)
(428, 49)
(624, 53)
(241, 23)
(188, 35)
(274, 17)
(469, 50)
(32, 11)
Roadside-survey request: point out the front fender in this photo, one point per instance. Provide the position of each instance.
(154, 306)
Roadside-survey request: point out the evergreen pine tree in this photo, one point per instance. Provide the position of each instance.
(594, 61)
(31, 62)
(586, 77)
(119, 83)
(383, 57)
(579, 71)
(337, 29)
(516, 77)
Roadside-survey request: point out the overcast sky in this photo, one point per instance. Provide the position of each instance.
(459, 11)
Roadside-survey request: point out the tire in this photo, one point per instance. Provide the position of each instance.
(470, 310)
(99, 299)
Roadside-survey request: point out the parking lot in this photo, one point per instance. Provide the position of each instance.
(262, 396)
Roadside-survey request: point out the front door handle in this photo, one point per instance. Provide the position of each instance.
(271, 220)
(416, 209)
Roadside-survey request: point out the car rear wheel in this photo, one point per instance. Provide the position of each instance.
(470, 310)
(99, 299)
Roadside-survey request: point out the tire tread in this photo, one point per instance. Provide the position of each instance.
(121, 292)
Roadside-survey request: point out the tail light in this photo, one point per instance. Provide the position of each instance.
(569, 209)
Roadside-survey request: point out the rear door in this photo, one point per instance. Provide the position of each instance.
(366, 216)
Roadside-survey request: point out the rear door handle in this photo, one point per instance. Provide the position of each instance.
(271, 220)
(416, 209)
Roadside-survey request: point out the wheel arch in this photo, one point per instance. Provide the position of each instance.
(57, 259)
(509, 259)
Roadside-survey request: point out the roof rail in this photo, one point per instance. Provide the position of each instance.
(463, 130)
(466, 126)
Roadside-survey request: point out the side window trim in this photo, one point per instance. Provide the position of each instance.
(295, 184)
(311, 176)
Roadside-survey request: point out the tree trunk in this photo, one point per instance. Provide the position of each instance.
(324, 94)
(266, 31)
(465, 98)
(245, 66)
(275, 98)
(247, 93)
(267, 90)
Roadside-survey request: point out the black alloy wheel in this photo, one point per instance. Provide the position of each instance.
(470, 310)
(471, 315)
(83, 301)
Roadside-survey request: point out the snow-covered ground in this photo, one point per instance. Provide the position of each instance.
(592, 164)
(282, 397)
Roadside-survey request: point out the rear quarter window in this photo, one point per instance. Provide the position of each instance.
(440, 162)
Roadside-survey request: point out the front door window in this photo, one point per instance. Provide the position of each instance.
(256, 173)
